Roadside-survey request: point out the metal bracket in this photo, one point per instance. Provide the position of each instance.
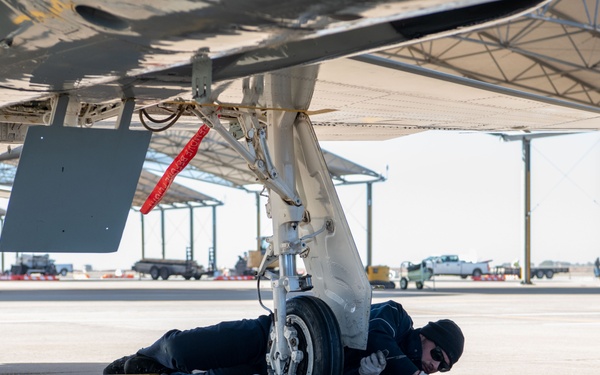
(256, 165)
(201, 78)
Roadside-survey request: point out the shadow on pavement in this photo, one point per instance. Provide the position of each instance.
(51, 368)
(131, 295)
(509, 290)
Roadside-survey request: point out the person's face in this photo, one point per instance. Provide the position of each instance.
(428, 363)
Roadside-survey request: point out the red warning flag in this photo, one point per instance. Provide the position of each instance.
(184, 157)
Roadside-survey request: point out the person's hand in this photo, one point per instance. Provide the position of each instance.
(373, 364)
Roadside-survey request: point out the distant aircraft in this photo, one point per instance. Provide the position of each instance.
(265, 75)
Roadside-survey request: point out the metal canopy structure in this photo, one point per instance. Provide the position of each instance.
(551, 53)
(176, 196)
(549, 56)
(217, 162)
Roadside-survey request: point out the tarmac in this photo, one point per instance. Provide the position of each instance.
(79, 326)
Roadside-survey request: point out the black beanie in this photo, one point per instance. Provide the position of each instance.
(448, 336)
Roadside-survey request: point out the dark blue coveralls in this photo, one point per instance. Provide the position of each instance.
(240, 347)
(228, 348)
(391, 329)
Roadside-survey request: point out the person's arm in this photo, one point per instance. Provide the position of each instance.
(388, 323)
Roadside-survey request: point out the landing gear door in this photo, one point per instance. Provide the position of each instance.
(73, 189)
(332, 259)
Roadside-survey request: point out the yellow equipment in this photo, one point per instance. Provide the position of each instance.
(380, 276)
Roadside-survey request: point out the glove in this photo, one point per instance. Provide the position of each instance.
(373, 364)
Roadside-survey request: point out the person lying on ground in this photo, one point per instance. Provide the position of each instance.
(240, 348)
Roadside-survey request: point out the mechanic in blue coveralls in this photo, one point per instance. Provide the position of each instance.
(240, 347)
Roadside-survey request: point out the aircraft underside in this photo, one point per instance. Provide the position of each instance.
(247, 70)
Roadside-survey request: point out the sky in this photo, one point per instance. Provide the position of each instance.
(445, 193)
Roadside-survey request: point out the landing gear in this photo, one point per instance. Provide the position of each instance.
(273, 133)
(314, 336)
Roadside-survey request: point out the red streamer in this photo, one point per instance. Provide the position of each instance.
(179, 163)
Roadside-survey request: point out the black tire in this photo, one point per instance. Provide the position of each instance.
(403, 283)
(164, 273)
(187, 277)
(63, 272)
(549, 274)
(197, 276)
(539, 274)
(319, 336)
(477, 272)
(154, 273)
(419, 285)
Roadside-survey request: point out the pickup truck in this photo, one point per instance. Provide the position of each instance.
(452, 265)
(63, 269)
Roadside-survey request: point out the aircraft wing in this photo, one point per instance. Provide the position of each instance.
(103, 51)
(83, 67)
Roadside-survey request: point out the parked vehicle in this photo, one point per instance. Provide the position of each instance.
(164, 268)
(452, 265)
(379, 276)
(29, 263)
(538, 272)
(418, 273)
(63, 269)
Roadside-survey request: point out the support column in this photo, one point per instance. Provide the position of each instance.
(191, 232)
(214, 235)
(526, 268)
(258, 240)
(143, 236)
(2, 225)
(369, 224)
(162, 230)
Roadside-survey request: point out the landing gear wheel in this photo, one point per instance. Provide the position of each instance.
(319, 336)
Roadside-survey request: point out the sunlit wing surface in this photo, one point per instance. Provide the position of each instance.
(103, 51)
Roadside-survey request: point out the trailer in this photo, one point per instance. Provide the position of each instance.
(539, 272)
(164, 268)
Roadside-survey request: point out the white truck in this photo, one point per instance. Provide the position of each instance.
(63, 269)
(453, 265)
